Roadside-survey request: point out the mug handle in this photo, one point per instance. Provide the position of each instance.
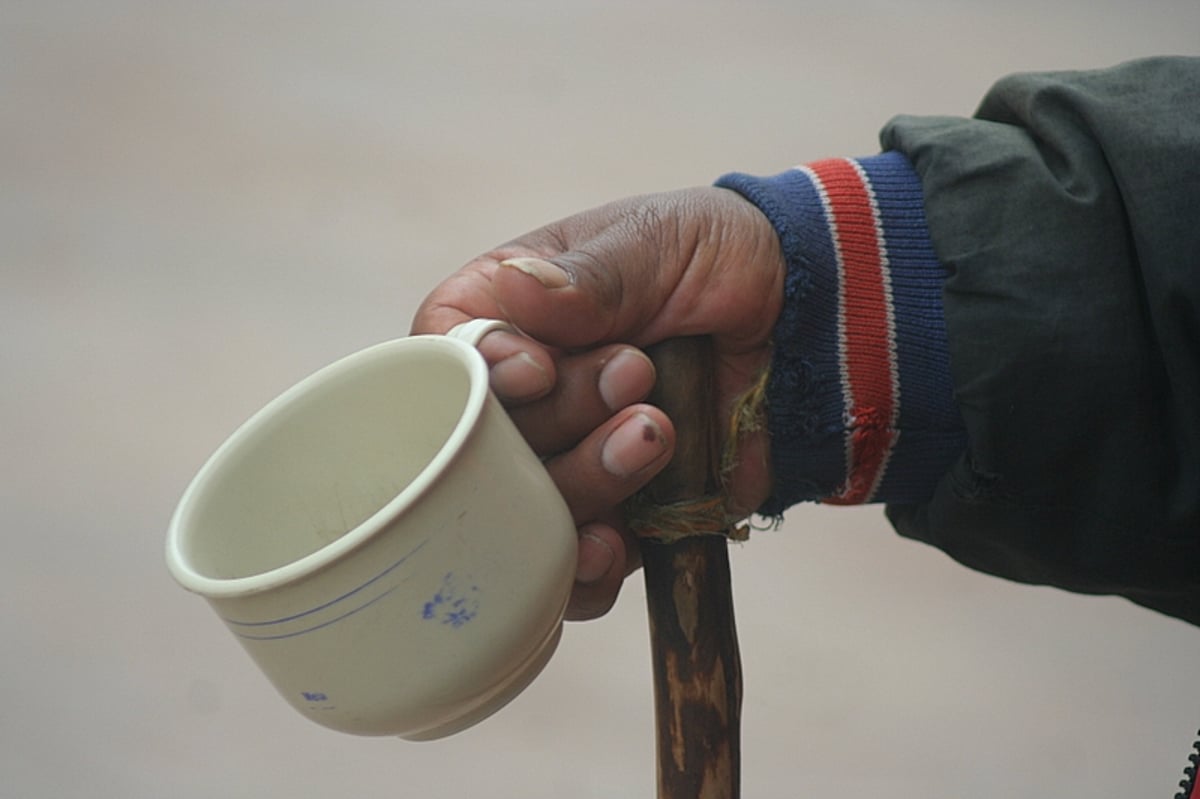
(473, 331)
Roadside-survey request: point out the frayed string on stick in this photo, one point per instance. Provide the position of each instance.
(707, 515)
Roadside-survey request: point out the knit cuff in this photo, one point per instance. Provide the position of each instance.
(860, 403)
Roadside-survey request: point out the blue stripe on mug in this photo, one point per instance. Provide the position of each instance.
(332, 602)
(315, 627)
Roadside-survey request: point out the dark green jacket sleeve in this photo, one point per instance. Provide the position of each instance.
(1068, 215)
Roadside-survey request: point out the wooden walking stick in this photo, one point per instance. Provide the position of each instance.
(697, 668)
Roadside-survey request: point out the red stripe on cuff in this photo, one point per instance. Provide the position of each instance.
(866, 327)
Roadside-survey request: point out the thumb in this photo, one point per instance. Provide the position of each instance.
(561, 304)
(614, 286)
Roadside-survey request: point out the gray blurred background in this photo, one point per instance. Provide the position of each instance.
(201, 203)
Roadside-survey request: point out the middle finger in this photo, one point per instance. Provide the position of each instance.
(590, 387)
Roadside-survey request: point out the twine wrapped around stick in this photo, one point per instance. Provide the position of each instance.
(707, 515)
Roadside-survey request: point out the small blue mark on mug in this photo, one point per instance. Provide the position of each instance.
(314, 696)
(452, 605)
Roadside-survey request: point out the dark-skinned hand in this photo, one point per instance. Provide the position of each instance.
(588, 293)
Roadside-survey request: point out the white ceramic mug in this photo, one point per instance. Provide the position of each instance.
(383, 542)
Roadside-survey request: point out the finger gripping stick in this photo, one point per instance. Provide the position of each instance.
(693, 639)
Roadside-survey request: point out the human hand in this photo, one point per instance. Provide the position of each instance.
(587, 292)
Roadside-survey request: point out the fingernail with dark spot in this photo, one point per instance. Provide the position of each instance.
(633, 446)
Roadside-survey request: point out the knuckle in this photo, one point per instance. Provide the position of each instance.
(605, 284)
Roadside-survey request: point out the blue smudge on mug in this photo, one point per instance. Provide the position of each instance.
(452, 605)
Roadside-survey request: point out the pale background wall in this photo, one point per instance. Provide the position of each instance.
(202, 202)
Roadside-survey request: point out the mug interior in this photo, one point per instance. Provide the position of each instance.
(325, 457)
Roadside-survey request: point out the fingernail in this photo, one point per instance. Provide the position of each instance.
(544, 272)
(632, 446)
(626, 378)
(595, 559)
(519, 377)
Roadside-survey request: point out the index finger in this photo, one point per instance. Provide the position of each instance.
(467, 294)
(520, 368)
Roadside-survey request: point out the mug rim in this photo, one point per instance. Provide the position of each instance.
(230, 587)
